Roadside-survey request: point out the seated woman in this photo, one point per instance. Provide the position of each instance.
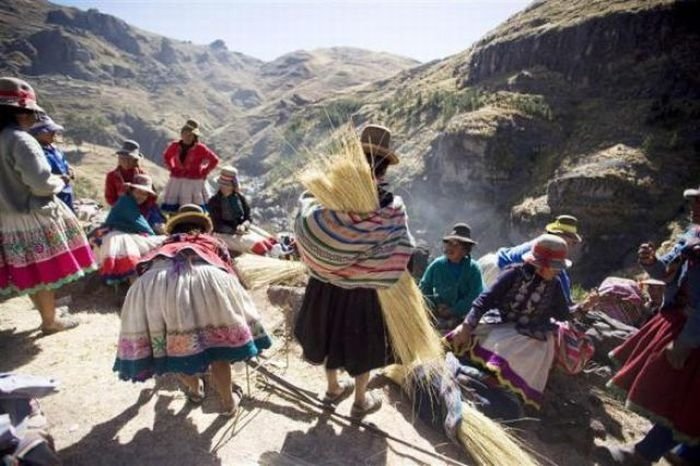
(452, 282)
(519, 346)
(230, 214)
(129, 157)
(129, 232)
(187, 312)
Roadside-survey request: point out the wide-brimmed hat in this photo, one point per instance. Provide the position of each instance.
(45, 125)
(142, 182)
(564, 225)
(460, 232)
(228, 176)
(691, 193)
(548, 251)
(189, 213)
(18, 93)
(376, 141)
(191, 126)
(131, 149)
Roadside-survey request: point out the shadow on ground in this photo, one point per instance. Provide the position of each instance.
(17, 348)
(176, 437)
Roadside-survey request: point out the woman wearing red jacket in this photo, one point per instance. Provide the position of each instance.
(189, 162)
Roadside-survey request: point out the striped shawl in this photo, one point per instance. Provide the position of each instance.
(354, 250)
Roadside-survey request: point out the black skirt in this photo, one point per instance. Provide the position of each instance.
(343, 328)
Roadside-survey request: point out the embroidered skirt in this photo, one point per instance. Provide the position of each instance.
(250, 242)
(42, 250)
(181, 191)
(180, 317)
(343, 328)
(118, 253)
(653, 388)
(521, 364)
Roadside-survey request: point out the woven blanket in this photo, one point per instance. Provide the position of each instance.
(354, 250)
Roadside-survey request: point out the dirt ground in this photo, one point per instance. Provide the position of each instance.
(98, 420)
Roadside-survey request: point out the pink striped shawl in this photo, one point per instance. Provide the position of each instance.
(353, 250)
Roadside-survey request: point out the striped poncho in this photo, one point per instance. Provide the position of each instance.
(352, 250)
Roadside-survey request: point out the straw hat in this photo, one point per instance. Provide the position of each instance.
(376, 141)
(143, 183)
(460, 232)
(45, 125)
(18, 93)
(191, 126)
(564, 225)
(548, 251)
(228, 176)
(130, 148)
(189, 213)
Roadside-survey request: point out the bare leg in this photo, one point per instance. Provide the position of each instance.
(361, 382)
(45, 302)
(334, 387)
(221, 376)
(190, 381)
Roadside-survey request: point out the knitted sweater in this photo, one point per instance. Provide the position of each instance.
(440, 286)
(199, 161)
(26, 182)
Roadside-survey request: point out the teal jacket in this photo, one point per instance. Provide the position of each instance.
(439, 285)
(126, 217)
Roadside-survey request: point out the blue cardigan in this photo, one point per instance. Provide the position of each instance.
(439, 285)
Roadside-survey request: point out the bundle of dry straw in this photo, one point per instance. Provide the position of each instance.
(487, 442)
(343, 181)
(258, 271)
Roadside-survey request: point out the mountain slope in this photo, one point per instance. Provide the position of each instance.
(114, 81)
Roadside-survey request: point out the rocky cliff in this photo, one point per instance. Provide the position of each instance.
(585, 107)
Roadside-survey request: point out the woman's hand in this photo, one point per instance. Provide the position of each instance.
(460, 336)
(646, 254)
(443, 310)
(676, 354)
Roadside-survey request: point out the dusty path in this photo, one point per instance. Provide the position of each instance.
(98, 420)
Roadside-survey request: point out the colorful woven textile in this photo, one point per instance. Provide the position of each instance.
(353, 250)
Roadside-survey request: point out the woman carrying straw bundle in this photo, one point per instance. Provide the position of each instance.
(230, 212)
(42, 245)
(519, 347)
(188, 313)
(132, 229)
(189, 162)
(362, 308)
(340, 323)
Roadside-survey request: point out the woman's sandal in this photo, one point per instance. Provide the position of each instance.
(237, 391)
(348, 386)
(373, 401)
(197, 396)
(61, 323)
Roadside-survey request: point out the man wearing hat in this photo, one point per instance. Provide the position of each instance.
(660, 364)
(452, 281)
(44, 131)
(564, 226)
(189, 162)
(128, 166)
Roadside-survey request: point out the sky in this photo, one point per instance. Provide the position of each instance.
(423, 30)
